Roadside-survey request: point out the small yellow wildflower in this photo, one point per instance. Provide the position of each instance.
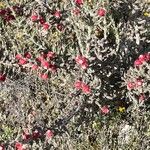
(94, 125)
(146, 14)
(121, 109)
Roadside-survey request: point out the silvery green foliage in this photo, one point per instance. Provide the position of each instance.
(111, 45)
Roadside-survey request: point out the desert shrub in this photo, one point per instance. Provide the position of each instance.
(74, 74)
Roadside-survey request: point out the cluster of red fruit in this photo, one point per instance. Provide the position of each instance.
(2, 77)
(46, 25)
(131, 85)
(141, 59)
(139, 82)
(7, 14)
(79, 2)
(136, 84)
(42, 62)
(82, 62)
(105, 109)
(79, 85)
(76, 11)
(83, 86)
(41, 20)
(101, 12)
(26, 136)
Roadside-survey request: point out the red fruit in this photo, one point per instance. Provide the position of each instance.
(44, 55)
(8, 18)
(130, 85)
(105, 109)
(34, 67)
(46, 26)
(36, 134)
(26, 136)
(50, 55)
(60, 27)
(57, 14)
(82, 61)
(79, 2)
(86, 89)
(38, 59)
(45, 64)
(41, 20)
(78, 59)
(2, 77)
(52, 68)
(1, 147)
(34, 17)
(49, 134)
(141, 97)
(76, 11)
(84, 66)
(147, 57)
(78, 85)
(27, 55)
(142, 58)
(19, 146)
(16, 8)
(137, 63)
(22, 61)
(139, 82)
(18, 56)
(44, 76)
(101, 12)
(3, 12)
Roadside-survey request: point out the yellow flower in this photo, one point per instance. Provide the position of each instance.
(121, 109)
(146, 14)
(94, 125)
